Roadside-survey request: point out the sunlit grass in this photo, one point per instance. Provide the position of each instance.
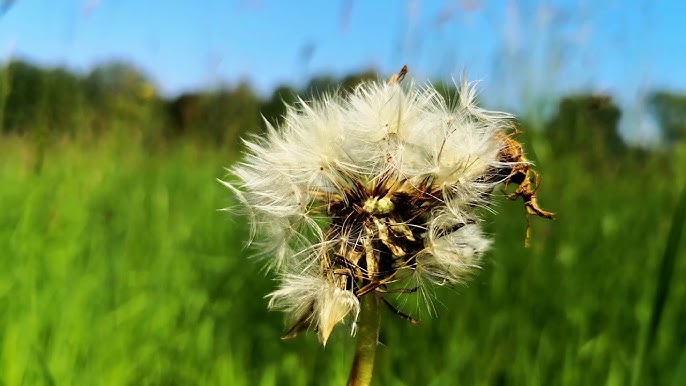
(118, 269)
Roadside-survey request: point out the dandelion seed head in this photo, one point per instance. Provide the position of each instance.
(384, 185)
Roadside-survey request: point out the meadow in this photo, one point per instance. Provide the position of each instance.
(118, 269)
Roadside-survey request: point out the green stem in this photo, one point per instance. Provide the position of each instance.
(367, 340)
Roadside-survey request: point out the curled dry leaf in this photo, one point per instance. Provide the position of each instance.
(522, 174)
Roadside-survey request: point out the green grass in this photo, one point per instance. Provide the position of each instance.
(117, 269)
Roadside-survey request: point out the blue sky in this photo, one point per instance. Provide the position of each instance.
(523, 52)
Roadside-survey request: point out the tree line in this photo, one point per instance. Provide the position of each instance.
(118, 97)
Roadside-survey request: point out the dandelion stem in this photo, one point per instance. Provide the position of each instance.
(367, 340)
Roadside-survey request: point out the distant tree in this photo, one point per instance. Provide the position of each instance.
(320, 85)
(238, 113)
(63, 101)
(34, 97)
(116, 78)
(122, 94)
(274, 108)
(327, 83)
(24, 95)
(586, 125)
(4, 92)
(670, 112)
(185, 112)
(351, 81)
(221, 116)
(38, 102)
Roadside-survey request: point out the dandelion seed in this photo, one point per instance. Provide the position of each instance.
(360, 193)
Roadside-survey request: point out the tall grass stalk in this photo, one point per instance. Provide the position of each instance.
(663, 284)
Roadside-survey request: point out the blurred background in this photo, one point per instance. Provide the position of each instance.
(117, 117)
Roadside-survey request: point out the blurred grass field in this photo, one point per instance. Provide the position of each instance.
(117, 269)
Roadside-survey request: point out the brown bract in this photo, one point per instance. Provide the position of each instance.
(525, 177)
(397, 78)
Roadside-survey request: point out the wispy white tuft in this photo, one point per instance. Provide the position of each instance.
(314, 301)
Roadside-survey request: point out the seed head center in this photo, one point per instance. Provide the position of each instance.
(378, 206)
